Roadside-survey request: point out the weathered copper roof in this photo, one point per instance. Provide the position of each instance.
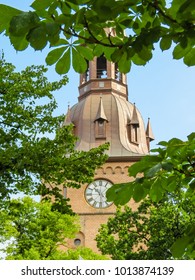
(67, 120)
(118, 112)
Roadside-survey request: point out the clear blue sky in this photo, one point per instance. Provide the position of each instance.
(162, 90)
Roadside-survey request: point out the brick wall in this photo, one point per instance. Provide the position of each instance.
(91, 218)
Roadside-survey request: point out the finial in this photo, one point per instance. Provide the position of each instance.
(67, 120)
(149, 132)
(134, 118)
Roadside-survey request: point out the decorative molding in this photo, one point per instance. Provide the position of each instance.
(97, 213)
(111, 170)
(131, 158)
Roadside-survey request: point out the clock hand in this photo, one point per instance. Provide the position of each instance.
(98, 191)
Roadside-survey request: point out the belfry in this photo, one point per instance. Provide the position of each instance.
(104, 114)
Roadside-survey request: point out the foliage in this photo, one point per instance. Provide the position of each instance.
(147, 233)
(75, 29)
(80, 253)
(32, 230)
(30, 160)
(170, 169)
(78, 30)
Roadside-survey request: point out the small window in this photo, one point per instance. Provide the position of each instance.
(77, 242)
(100, 129)
(133, 133)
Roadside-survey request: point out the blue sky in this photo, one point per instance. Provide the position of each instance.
(162, 90)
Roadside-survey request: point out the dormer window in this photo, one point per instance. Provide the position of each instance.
(100, 122)
(100, 129)
(133, 133)
(101, 67)
(133, 127)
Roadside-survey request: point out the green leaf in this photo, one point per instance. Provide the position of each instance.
(163, 143)
(80, 16)
(52, 28)
(108, 52)
(167, 166)
(54, 55)
(139, 192)
(156, 191)
(189, 58)
(103, 9)
(98, 50)
(170, 184)
(143, 165)
(37, 37)
(63, 64)
(153, 170)
(120, 194)
(6, 14)
(176, 4)
(145, 54)
(179, 247)
(61, 42)
(137, 60)
(41, 5)
(22, 23)
(19, 43)
(116, 55)
(187, 10)
(85, 52)
(165, 43)
(124, 64)
(137, 168)
(174, 141)
(180, 52)
(78, 61)
(191, 137)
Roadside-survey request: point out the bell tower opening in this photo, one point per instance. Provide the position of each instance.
(102, 76)
(118, 75)
(101, 72)
(85, 76)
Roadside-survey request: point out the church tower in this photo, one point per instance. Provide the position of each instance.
(104, 114)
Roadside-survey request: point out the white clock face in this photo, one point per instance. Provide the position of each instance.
(95, 193)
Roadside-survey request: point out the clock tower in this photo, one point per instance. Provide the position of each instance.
(104, 114)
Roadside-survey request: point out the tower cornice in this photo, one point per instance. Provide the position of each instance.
(106, 85)
(125, 158)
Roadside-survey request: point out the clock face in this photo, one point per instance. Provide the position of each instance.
(95, 193)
